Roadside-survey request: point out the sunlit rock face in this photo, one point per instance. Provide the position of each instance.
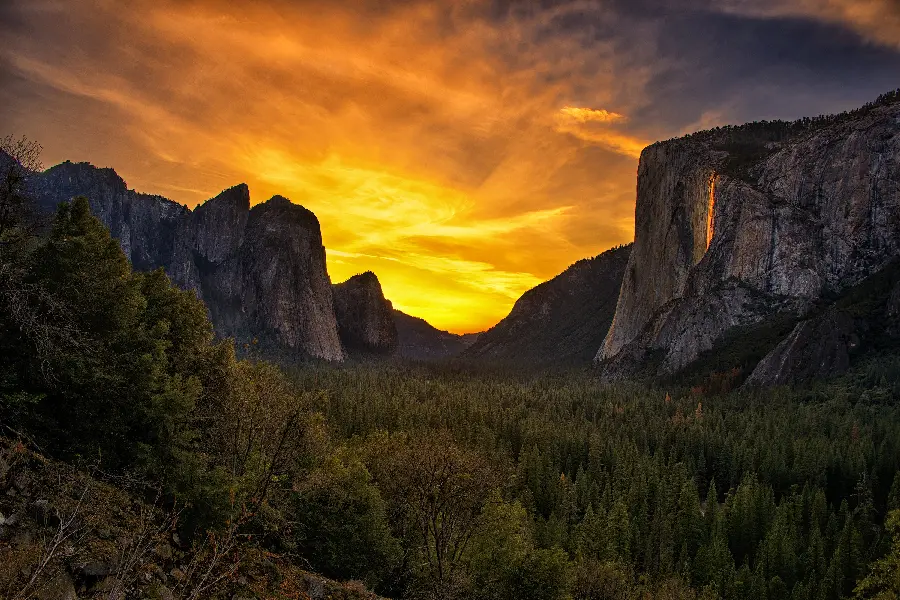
(672, 236)
(794, 220)
(260, 271)
(364, 317)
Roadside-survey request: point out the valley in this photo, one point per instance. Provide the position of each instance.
(192, 408)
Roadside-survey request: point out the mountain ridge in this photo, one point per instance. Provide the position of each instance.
(421, 341)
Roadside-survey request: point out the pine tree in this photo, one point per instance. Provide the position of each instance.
(883, 580)
(893, 501)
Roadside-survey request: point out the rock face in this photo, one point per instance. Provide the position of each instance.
(863, 320)
(260, 271)
(560, 321)
(418, 340)
(737, 224)
(365, 318)
(145, 225)
(815, 349)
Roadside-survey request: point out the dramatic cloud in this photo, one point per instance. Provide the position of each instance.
(464, 151)
(874, 20)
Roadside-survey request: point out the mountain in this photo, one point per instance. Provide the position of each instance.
(364, 316)
(754, 227)
(562, 320)
(418, 340)
(261, 271)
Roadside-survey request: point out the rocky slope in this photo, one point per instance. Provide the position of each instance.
(65, 535)
(419, 340)
(738, 224)
(864, 321)
(560, 321)
(260, 271)
(365, 318)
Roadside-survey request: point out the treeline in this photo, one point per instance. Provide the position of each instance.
(438, 482)
(780, 130)
(763, 495)
(749, 143)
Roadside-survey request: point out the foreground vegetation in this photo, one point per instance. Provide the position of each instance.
(422, 482)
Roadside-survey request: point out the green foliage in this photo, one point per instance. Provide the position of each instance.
(883, 580)
(505, 564)
(341, 524)
(113, 393)
(613, 475)
(120, 369)
(436, 490)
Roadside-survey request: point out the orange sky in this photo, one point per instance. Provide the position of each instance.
(462, 159)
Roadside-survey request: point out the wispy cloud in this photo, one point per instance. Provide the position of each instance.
(590, 115)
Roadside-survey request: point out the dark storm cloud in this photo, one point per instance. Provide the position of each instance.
(751, 68)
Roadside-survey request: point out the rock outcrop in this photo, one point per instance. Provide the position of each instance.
(419, 340)
(261, 271)
(816, 348)
(560, 321)
(864, 320)
(42, 499)
(737, 224)
(365, 318)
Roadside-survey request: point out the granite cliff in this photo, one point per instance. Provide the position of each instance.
(261, 271)
(365, 317)
(738, 224)
(560, 321)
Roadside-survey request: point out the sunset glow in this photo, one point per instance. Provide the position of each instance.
(463, 151)
(710, 210)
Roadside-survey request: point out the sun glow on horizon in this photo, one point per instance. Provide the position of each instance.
(389, 223)
(448, 169)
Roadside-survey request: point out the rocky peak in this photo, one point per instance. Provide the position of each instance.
(364, 317)
(285, 289)
(218, 224)
(83, 174)
(281, 210)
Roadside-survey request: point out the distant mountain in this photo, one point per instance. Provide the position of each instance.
(364, 316)
(261, 271)
(562, 320)
(418, 340)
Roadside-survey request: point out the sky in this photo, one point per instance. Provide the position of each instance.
(462, 150)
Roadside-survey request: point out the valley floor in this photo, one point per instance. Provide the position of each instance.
(431, 481)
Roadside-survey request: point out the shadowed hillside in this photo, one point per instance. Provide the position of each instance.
(563, 320)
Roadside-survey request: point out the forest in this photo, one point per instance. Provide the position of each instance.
(438, 481)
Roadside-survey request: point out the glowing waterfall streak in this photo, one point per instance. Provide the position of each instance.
(710, 209)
